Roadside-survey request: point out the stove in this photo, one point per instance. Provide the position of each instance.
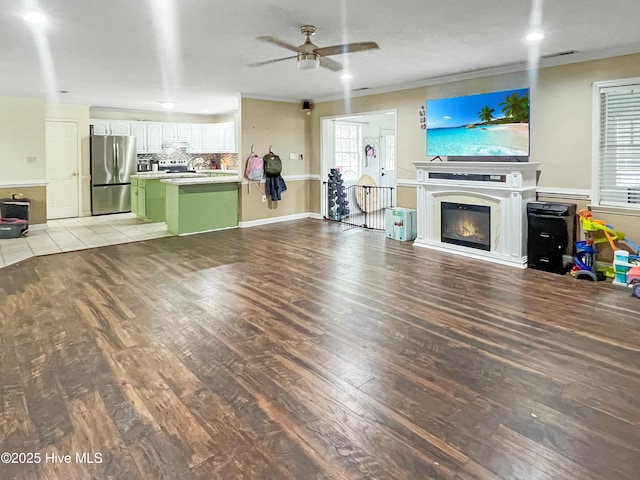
(174, 166)
(178, 169)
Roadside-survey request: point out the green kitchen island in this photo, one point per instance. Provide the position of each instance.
(195, 205)
(148, 200)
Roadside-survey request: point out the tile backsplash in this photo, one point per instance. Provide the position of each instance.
(209, 160)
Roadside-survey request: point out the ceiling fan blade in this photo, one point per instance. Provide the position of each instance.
(346, 48)
(259, 64)
(330, 64)
(279, 43)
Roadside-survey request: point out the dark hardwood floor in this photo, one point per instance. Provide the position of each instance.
(302, 351)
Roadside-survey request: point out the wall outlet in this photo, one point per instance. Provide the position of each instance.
(293, 156)
(264, 199)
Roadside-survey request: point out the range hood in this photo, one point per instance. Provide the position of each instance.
(185, 146)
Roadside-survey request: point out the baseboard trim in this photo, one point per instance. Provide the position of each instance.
(283, 218)
(38, 226)
(204, 231)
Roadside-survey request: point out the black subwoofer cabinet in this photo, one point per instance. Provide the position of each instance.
(551, 230)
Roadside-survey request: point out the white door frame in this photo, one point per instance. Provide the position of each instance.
(326, 154)
(78, 159)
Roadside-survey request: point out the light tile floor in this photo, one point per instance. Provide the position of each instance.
(70, 234)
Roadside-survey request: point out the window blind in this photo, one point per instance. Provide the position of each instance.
(619, 149)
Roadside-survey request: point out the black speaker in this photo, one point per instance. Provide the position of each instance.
(551, 235)
(306, 105)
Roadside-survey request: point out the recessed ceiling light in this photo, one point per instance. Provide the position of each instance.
(167, 105)
(534, 36)
(205, 111)
(346, 76)
(35, 17)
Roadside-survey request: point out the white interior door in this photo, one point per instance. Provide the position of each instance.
(62, 169)
(388, 160)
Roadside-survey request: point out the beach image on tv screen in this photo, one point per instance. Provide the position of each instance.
(489, 124)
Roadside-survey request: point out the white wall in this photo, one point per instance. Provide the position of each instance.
(22, 138)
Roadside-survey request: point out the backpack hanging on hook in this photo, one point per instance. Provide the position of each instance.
(370, 151)
(255, 168)
(272, 164)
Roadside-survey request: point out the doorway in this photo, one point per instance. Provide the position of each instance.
(363, 148)
(62, 169)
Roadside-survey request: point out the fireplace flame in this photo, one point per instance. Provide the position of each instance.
(467, 228)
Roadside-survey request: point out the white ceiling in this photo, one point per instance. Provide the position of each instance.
(132, 54)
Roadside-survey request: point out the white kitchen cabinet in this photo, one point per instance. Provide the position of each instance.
(169, 132)
(228, 137)
(203, 138)
(100, 127)
(119, 128)
(154, 137)
(196, 138)
(109, 127)
(139, 130)
(183, 131)
(209, 138)
(218, 137)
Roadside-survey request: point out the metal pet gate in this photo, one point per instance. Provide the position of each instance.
(360, 206)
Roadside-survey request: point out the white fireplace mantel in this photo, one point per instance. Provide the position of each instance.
(506, 187)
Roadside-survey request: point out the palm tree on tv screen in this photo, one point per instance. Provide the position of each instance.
(516, 108)
(486, 114)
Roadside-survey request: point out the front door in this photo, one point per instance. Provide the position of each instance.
(62, 169)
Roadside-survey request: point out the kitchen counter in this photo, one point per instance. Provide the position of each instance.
(219, 171)
(201, 180)
(162, 175)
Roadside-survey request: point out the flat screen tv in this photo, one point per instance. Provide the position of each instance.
(492, 124)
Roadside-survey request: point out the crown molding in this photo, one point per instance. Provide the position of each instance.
(255, 96)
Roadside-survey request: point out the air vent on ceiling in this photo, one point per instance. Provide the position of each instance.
(560, 54)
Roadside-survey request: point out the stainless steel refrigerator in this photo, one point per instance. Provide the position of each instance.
(113, 161)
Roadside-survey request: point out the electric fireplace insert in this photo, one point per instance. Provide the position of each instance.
(466, 225)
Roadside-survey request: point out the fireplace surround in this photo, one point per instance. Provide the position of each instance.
(475, 209)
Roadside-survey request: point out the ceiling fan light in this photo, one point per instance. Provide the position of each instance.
(308, 61)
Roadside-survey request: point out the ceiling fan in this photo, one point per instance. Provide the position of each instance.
(310, 56)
